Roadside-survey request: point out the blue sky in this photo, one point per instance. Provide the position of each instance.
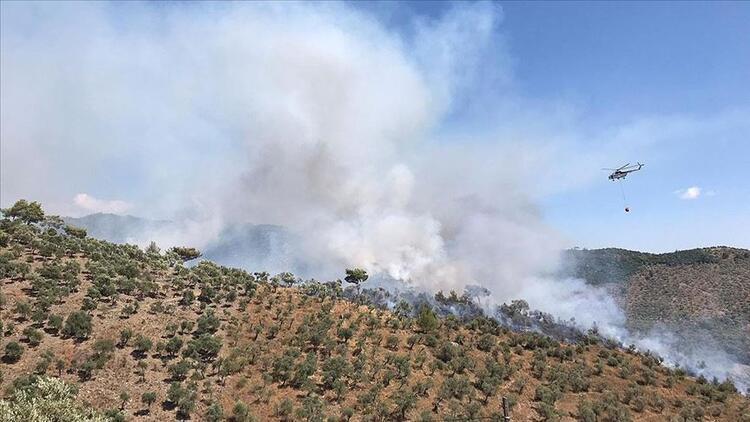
(547, 92)
(616, 63)
(623, 61)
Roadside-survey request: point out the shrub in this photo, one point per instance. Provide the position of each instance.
(148, 398)
(334, 369)
(205, 348)
(125, 335)
(75, 231)
(33, 336)
(486, 342)
(240, 412)
(13, 352)
(173, 346)
(50, 397)
(114, 415)
(284, 409)
(55, 323)
(179, 371)
(142, 344)
(391, 342)
(186, 254)
(78, 325)
(426, 319)
(546, 395)
(207, 324)
(23, 310)
(214, 413)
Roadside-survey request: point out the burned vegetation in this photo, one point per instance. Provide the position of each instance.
(97, 331)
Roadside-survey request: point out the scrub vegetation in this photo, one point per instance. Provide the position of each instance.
(97, 331)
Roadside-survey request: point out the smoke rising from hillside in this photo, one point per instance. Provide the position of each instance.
(315, 118)
(312, 117)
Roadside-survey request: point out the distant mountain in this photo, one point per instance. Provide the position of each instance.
(701, 294)
(116, 228)
(253, 247)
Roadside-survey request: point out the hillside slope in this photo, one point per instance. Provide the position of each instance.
(702, 295)
(143, 337)
(256, 246)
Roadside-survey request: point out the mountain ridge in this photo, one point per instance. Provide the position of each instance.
(133, 328)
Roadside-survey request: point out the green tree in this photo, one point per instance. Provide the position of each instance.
(183, 398)
(356, 276)
(427, 320)
(153, 249)
(124, 398)
(402, 365)
(173, 346)
(240, 412)
(304, 370)
(28, 212)
(23, 310)
(148, 398)
(142, 345)
(33, 336)
(75, 231)
(55, 323)
(46, 399)
(60, 366)
(142, 366)
(288, 279)
(78, 325)
(214, 413)
(13, 352)
(205, 348)
(282, 369)
(86, 370)
(405, 401)
(186, 254)
(207, 324)
(125, 335)
(179, 371)
(311, 410)
(334, 369)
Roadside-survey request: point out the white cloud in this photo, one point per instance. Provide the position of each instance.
(693, 192)
(91, 204)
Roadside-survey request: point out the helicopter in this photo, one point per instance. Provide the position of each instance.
(621, 172)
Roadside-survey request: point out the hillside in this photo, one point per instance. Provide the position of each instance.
(703, 295)
(699, 295)
(144, 337)
(260, 246)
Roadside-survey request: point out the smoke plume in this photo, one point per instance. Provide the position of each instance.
(317, 118)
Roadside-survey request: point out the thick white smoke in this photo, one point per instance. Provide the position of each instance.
(313, 117)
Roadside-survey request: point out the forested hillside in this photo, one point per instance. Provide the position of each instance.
(701, 294)
(141, 336)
